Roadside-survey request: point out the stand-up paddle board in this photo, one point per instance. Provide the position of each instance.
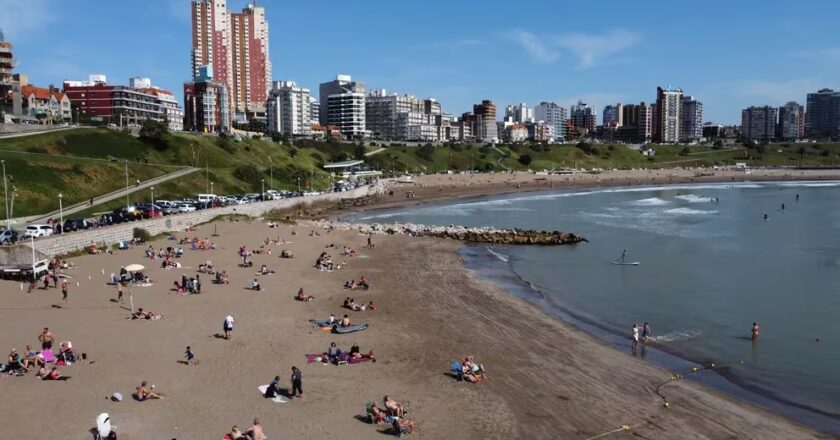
(619, 263)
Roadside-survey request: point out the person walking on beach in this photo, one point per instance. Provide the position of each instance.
(755, 330)
(189, 356)
(120, 292)
(646, 333)
(635, 336)
(228, 326)
(297, 384)
(64, 289)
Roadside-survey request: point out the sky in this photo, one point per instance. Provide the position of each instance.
(728, 54)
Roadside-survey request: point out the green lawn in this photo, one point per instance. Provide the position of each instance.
(88, 162)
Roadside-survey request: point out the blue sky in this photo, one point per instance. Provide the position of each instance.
(728, 54)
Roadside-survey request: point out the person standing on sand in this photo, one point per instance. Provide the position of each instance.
(755, 330)
(64, 288)
(256, 432)
(635, 336)
(297, 384)
(119, 292)
(46, 339)
(228, 326)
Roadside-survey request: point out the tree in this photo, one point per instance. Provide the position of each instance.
(761, 148)
(155, 133)
(525, 159)
(276, 137)
(718, 144)
(359, 152)
(586, 147)
(801, 152)
(426, 152)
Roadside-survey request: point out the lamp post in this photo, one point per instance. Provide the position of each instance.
(262, 194)
(271, 172)
(126, 185)
(153, 200)
(5, 193)
(61, 212)
(298, 184)
(211, 187)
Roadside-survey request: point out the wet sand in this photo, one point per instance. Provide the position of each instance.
(547, 379)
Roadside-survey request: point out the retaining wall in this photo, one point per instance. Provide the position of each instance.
(108, 235)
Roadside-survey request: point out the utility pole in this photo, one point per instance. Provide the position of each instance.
(126, 185)
(6, 193)
(207, 176)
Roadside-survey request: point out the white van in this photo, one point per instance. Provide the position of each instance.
(207, 197)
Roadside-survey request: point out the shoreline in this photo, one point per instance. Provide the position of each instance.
(723, 381)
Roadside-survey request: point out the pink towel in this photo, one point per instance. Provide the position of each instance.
(48, 356)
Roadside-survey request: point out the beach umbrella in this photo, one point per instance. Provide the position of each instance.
(134, 267)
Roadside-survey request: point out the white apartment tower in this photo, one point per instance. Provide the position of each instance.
(519, 113)
(288, 109)
(553, 114)
(692, 120)
(668, 115)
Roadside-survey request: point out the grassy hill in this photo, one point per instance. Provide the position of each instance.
(86, 162)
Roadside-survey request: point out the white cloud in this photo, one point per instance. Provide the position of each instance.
(588, 49)
(536, 47)
(19, 16)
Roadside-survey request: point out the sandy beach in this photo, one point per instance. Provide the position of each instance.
(547, 380)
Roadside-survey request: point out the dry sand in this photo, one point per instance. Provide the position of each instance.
(547, 379)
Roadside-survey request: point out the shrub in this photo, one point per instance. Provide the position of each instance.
(155, 133)
(141, 234)
(525, 159)
(247, 173)
(426, 152)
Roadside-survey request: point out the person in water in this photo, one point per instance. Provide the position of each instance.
(635, 336)
(765, 216)
(624, 255)
(755, 330)
(646, 333)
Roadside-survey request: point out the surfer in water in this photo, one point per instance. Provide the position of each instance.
(755, 330)
(797, 197)
(765, 216)
(624, 255)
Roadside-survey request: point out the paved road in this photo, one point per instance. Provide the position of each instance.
(36, 132)
(72, 209)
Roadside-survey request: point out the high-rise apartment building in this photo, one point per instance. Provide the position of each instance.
(251, 65)
(822, 115)
(519, 113)
(791, 122)
(382, 110)
(485, 127)
(343, 105)
(691, 120)
(583, 118)
(553, 114)
(288, 109)
(636, 123)
(236, 45)
(206, 105)
(668, 115)
(758, 123)
(612, 116)
(341, 84)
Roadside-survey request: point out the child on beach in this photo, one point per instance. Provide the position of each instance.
(189, 355)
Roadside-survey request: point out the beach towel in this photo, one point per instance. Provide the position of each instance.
(103, 425)
(279, 399)
(316, 357)
(349, 329)
(48, 356)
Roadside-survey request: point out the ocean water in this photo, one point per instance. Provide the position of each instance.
(710, 266)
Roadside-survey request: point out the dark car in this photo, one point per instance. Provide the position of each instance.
(75, 224)
(9, 236)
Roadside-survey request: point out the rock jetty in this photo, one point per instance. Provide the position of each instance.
(461, 233)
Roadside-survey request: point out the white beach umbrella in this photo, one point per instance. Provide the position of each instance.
(134, 267)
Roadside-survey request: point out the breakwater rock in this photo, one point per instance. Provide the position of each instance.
(461, 233)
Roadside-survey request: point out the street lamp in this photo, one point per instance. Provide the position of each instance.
(5, 193)
(61, 212)
(271, 171)
(153, 200)
(298, 184)
(211, 188)
(126, 185)
(262, 194)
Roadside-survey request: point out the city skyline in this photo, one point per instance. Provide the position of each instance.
(466, 56)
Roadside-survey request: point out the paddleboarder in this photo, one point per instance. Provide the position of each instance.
(624, 255)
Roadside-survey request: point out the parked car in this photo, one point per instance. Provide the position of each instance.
(35, 231)
(186, 207)
(9, 236)
(75, 224)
